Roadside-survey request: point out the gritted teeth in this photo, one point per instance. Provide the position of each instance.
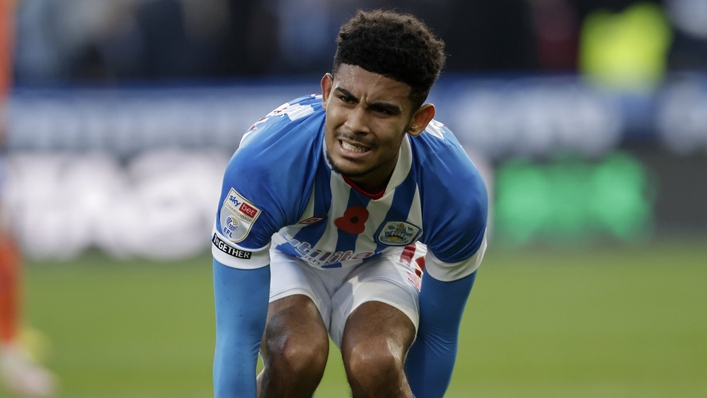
(353, 148)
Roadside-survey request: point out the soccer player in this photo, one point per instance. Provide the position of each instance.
(352, 215)
(18, 371)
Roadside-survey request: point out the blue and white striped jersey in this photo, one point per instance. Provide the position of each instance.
(279, 189)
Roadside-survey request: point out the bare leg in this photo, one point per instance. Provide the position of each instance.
(376, 339)
(295, 349)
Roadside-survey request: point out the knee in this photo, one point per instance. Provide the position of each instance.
(297, 355)
(374, 362)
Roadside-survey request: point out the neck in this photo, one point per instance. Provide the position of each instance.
(370, 191)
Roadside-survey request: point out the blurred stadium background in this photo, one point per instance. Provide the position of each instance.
(588, 119)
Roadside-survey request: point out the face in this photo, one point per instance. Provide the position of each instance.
(367, 117)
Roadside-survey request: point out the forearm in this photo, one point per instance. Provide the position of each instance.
(431, 358)
(241, 301)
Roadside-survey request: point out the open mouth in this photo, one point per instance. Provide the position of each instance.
(353, 147)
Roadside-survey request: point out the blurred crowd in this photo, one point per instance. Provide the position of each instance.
(119, 40)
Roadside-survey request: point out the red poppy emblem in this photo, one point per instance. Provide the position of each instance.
(353, 219)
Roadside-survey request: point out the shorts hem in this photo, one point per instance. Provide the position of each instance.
(293, 292)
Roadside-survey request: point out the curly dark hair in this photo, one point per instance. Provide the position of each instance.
(398, 46)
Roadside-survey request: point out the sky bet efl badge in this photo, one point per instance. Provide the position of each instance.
(237, 216)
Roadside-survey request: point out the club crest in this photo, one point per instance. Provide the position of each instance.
(397, 233)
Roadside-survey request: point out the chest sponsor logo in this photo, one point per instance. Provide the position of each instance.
(321, 257)
(397, 233)
(237, 216)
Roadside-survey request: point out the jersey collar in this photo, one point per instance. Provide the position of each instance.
(402, 167)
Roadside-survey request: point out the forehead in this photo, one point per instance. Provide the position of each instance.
(371, 87)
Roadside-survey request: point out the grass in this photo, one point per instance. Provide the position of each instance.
(591, 322)
(126, 329)
(611, 323)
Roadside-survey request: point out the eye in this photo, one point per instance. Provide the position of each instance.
(382, 110)
(346, 99)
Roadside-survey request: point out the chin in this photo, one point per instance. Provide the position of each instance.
(348, 171)
(339, 166)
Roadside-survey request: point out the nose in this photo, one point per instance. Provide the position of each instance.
(357, 121)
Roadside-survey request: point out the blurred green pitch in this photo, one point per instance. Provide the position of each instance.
(601, 322)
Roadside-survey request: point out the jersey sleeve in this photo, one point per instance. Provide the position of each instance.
(241, 304)
(451, 271)
(455, 208)
(431, 358)
(266, 185)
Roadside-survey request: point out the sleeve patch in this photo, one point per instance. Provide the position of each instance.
(237, 216)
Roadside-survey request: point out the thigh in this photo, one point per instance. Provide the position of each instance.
(291, 277)
(376, 338)
(295, 348)
(294, 323)
(380, 327)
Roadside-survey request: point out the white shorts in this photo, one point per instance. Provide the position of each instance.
(393, 278)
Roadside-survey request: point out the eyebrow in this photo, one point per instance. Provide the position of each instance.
(378, 105)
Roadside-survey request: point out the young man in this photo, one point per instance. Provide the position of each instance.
(330, 210)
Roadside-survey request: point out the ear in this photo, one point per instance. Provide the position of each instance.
(327, 83)
(420, 119)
